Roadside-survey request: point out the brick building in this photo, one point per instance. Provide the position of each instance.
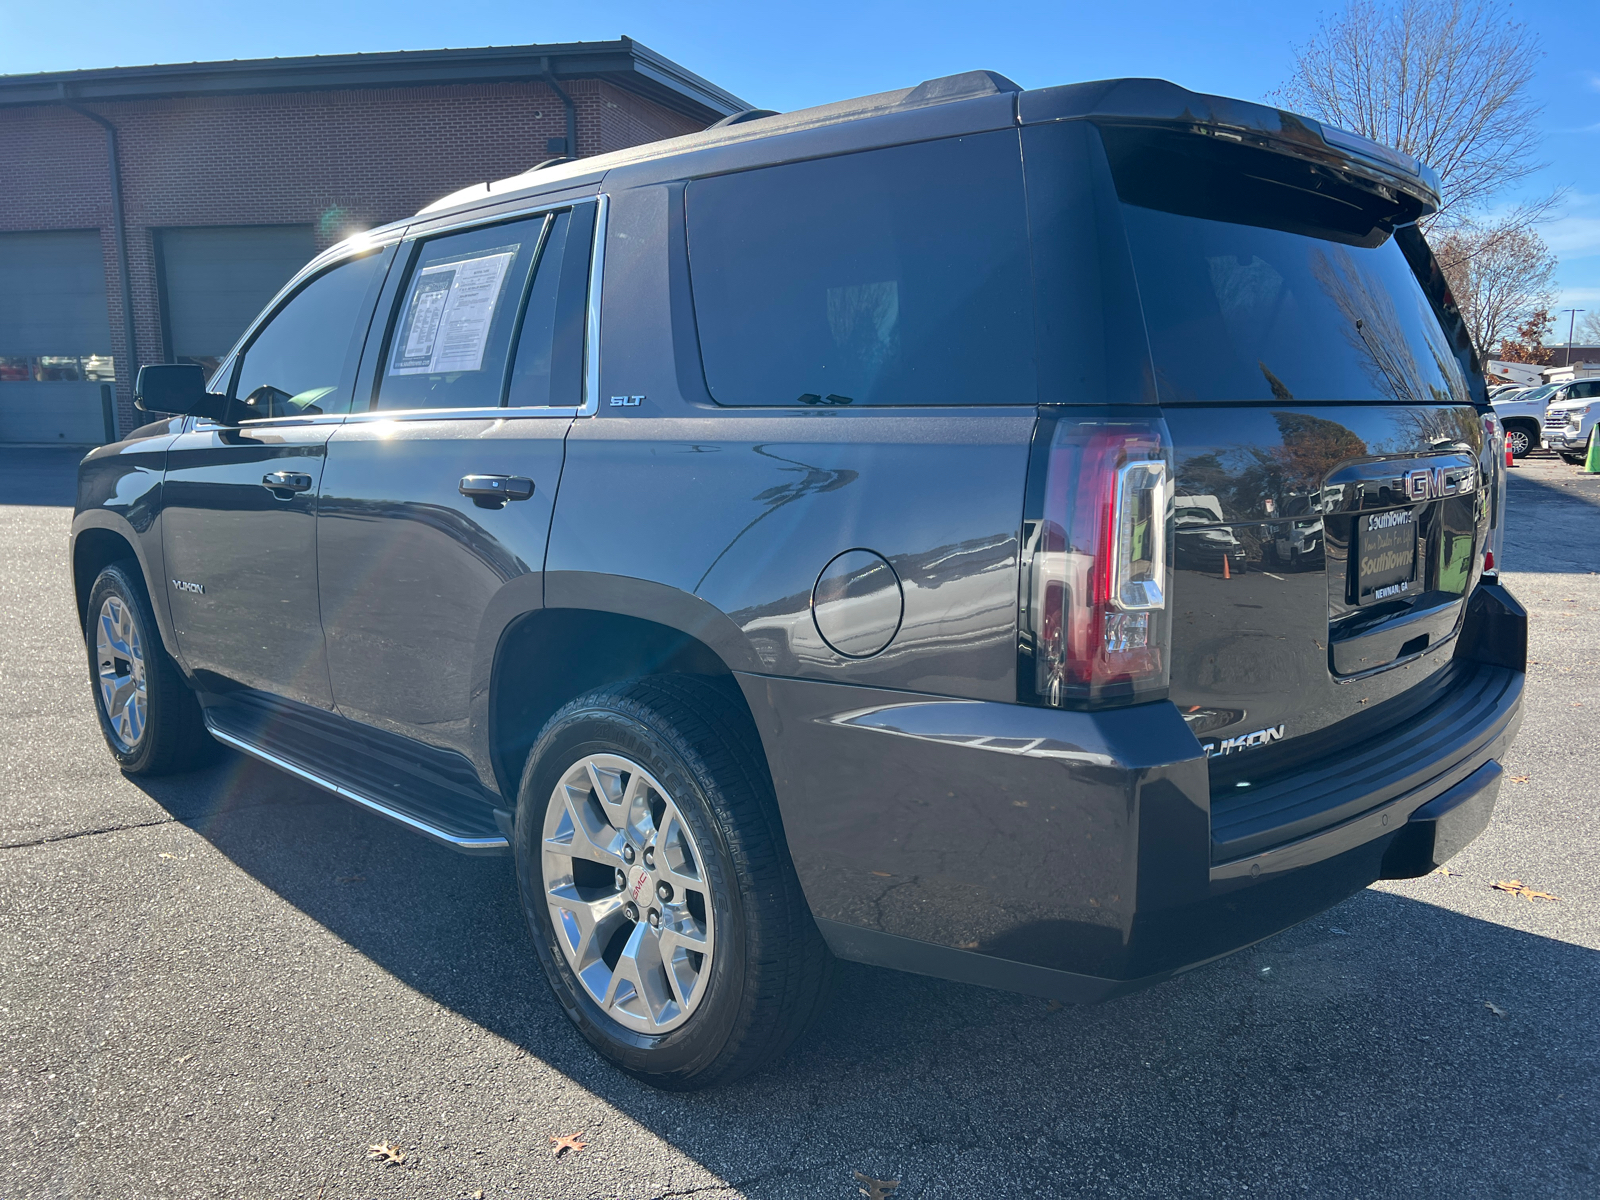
(232, 174)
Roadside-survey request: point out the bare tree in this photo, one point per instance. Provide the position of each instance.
(1444, 81)
(1500, 275)
(1588, 331)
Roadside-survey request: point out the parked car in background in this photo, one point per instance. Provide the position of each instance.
(1522, 414)
(1570, 419)
(816, 536)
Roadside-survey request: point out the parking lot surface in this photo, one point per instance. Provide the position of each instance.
(229, 984)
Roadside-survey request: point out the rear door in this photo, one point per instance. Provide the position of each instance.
(240, 496)
(480, 373)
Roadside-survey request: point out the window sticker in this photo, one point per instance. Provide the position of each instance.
(449, 314)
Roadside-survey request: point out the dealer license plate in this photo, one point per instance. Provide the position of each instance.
(1386, 556)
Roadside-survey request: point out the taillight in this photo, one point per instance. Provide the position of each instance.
(1094, 621)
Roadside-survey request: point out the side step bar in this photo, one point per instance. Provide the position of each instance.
(466, 845)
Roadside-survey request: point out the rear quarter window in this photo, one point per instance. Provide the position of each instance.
(888, 277)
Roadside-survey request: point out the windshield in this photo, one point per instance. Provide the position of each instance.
(1243, 312)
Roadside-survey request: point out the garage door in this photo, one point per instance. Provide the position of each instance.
(216, 278)
(55, 338)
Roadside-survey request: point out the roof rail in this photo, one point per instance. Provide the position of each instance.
(739, 118)
(960, 87)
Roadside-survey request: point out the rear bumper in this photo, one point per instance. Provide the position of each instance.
(1071, 854)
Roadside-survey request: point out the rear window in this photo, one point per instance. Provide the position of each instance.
(1261, 279)
(894, 276)
(1236, 312)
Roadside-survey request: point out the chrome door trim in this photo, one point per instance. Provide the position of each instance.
(497, 845)
(591, 327)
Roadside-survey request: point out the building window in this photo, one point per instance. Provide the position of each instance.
(58, 368)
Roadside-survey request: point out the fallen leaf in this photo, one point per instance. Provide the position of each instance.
(1496, 1009)
(478, 1195)
(1447, 871)
(569, 1142)
(1519, 779)
(1517, 888)
(966, 945)
(876, 1189)
(166, 855)
(184, 1059)
(883, 875)
(1053, 1006)
(387, 1153)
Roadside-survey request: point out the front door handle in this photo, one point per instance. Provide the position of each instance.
(492, 491)
(284, 484)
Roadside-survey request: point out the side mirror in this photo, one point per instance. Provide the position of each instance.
(176, 388)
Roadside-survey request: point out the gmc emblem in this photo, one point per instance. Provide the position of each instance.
(1429, 484)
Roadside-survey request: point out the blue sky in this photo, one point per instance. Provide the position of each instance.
(785, 56)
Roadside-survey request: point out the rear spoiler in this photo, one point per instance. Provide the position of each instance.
(1358, 160)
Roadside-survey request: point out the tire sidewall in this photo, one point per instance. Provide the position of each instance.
(625, 727)
(121, 581)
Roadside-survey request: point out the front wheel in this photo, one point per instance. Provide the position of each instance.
(1519, 441)
(657, 885)
(148, 716)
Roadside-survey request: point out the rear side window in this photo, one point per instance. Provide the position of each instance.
(894, 276)
(481, 299)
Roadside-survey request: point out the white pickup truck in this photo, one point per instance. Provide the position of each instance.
(1571, 419)
(1522, 413)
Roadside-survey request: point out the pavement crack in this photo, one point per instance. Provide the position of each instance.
(67, 837)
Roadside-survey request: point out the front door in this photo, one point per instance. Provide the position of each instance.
(240, 497)
(436, 503)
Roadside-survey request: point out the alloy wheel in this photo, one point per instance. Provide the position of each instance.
(630, 902)
(1519, 441)
(119, 670)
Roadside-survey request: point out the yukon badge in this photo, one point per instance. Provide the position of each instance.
(199, 589)
(1261, 737)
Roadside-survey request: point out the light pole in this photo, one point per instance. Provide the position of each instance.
(1572, 323)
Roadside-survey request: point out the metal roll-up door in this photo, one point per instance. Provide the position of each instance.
(215, 279)
(55, 337)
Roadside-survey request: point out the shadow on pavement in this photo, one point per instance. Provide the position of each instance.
(1352, 1055)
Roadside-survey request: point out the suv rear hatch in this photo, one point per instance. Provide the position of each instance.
(1332, 473)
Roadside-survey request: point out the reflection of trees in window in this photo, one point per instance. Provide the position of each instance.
(1380, 339)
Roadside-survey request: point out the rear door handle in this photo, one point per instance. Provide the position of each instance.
(492, 491)
(284, 484)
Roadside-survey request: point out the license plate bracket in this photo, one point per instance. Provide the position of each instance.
(1386, 556)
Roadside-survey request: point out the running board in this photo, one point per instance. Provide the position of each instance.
(466, 845)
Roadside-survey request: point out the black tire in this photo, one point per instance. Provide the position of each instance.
(770, 971)
(1520, 440)
(172, 736)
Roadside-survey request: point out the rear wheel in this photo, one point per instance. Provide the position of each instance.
(658, 888)
(148, 716)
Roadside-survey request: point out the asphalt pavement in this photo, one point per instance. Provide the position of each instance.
(231, 985)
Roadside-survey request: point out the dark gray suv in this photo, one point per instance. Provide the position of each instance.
(1041, 539)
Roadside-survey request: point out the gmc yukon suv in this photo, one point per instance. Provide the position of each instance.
(1043, 539)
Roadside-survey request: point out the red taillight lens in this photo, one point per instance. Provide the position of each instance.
(1094, 619)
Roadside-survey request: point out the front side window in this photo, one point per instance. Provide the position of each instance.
(296, 365)
(894, 276)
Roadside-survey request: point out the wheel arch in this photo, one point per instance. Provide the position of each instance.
(100, 538)
(553, 655)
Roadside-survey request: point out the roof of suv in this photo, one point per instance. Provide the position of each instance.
(975, 100)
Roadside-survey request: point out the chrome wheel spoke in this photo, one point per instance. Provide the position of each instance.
(119, 668)
(618, 855)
